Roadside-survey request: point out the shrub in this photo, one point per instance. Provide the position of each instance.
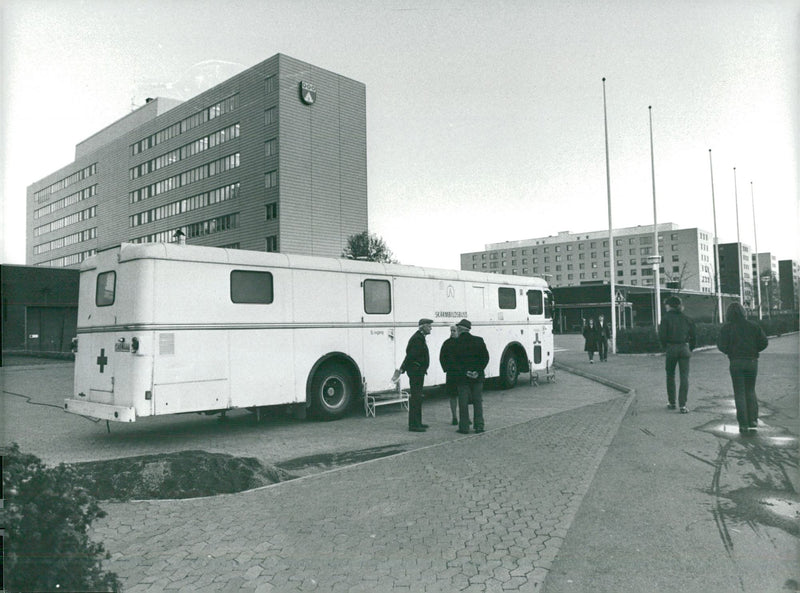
(46, 516)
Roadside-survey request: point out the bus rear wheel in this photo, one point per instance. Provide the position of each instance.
(332, 391)
(509, 371)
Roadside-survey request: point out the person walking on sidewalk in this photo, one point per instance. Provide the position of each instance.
(449, 366)
(604, 330)
(591, 337)
(472, 357)
(678, 337)
(742, 340)
(415, 364)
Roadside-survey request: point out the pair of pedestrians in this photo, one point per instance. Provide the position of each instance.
(741, 340)
(467, 359)
(596, 336)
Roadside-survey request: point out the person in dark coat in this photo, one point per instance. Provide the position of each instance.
(604, 331)
(449, 366)
(677, 335)
(472, 357)
(415, 364)
(591, 337)
(742, 340)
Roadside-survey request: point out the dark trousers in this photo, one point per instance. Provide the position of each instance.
(415, 400)
(452, 393)
(743, 376)
(602, 347)
(678, 355)
(470, 391)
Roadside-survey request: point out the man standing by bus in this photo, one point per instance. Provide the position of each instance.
(415, 364)
(472, 357)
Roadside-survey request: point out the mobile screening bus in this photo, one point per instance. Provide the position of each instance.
(169, 328)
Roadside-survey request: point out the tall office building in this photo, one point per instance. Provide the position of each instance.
(789, 279)
(272, 159)
(572, 259)
(734, 276)
(765, 265)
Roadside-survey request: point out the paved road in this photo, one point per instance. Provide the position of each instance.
(683, 502)
(576, 487)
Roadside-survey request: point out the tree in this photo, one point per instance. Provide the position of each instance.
(368, 247)
(46, 516)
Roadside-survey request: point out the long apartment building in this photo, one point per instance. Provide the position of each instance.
(572, 259)
(272, 159)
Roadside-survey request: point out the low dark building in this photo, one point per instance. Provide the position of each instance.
(634, 304)
(39, 309)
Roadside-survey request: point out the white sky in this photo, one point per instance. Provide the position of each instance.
(484, 117)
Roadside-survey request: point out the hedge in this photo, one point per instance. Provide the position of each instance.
(638, 340)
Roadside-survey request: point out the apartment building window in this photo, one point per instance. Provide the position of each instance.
(569, 266)
(558, 258)
(546, 258)
(618, 242)
(674, 236)
(593, 255)
(631, 241)
(675, 258)
(593, 244)
(271, 147)
(558, 248)
(271, 84)
(271, 179)
(620, 273)
(594, 264)
(569, 257)
(674, 248)
(582, 275)
(645, 250)
(558, 268)
(594, 274)
(546, 249)
(633, 272)
(645, 240)
(271, 243)
(676, 268)
(581, 255)
(271, 115)
(570, 276)
(272, 211)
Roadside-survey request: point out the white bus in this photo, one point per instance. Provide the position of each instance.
(169, 328)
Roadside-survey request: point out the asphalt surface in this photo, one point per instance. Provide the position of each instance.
(580, 485)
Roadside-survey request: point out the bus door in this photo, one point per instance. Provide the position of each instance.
(379, 342)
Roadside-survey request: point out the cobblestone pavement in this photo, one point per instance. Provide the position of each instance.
(481, 513)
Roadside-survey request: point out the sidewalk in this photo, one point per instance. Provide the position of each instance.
(683, 502)
(482, 512)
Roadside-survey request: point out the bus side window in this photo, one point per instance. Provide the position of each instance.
(106, 287)
(251, 287)
(507, 297)
(549, 304)
(377, 297)
(535, 304)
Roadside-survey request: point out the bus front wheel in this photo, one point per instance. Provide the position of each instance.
(509, 371)
(332, 391)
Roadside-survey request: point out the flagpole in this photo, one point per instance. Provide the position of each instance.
(738, 241)
(755, 240)
(716, 241)
(611, 253)
(656, 257)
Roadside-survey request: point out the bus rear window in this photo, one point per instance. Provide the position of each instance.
(106, 287)
(535, 303)
(251, 287)
(507, 298)
(377, 297)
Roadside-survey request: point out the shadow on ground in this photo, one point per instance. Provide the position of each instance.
(191, 474)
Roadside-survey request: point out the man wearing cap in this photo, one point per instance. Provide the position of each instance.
(415, 364)
(677, 335)
(472, 357)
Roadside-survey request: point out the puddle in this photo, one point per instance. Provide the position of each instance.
(779, 509)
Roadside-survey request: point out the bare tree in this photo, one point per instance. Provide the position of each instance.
(368, 247)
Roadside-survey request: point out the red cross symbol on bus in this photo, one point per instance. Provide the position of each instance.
(102, 360)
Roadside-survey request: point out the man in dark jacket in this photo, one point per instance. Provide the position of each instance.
(472, 357)
(415, 364)
(677, 335)
(742, 340)
(604, 328)
(450, 366)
